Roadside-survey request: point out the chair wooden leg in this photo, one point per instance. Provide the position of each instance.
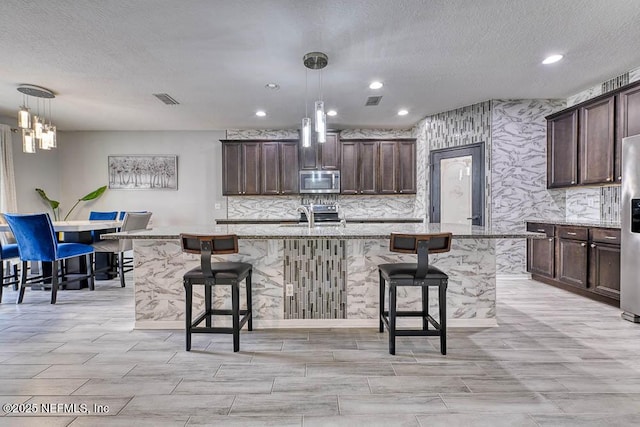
(425, 308)
(381, 301)
(1, 275)
(121, 268)
(443, 316)
(187, 314)
(15, 277)
(392, 319)
(91, 272)
(54, 281)
(23, 281)
(207, 304)
(235, 314)
(249, 302)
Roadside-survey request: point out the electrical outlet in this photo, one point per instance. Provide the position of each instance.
(216, 206)
(289, 290)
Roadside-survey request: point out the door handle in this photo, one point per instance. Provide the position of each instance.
(474, 217)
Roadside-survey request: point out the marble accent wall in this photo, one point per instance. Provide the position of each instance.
(317, 271)
(160, 265)
(377, 133)
(262, 207)
(519, 173)
(463, 126)
(634, 75)
(471, 290)
(583, 204)
(268, 134)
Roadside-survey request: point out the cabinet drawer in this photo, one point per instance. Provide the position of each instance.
(605, 235)
(536, 227)
(574, 233)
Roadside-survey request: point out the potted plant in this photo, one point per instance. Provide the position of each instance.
(55, 205)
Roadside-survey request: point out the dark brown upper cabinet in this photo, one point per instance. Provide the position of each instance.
(596, 146)
(584, 142)
(628, 123)
(259, 168)
(321, 156)
(359, 167)
(241, 168)
(562, 150)
(397, 174)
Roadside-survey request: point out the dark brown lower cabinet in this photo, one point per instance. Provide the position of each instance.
(584, 260)
(572, 262)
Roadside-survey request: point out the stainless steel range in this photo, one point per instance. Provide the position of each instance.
(322, 213)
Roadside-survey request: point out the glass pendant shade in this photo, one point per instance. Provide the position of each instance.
(53, 143)
(306, 132)
(24, 118)
(37, 127)
(321, 122)
(43, 143)
(28, 143)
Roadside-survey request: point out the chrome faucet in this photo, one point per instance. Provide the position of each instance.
(308, 211)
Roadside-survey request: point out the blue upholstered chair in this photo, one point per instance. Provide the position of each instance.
(36, 240)
(132, 221)
(101, 216)
(7, 252)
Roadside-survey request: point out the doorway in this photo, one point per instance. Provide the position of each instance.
(457, 185)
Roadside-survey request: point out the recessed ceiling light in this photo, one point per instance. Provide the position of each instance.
(403, 112)
(260, 113)
(272, 86)
(332, 113)
(375, 85)
(551, 59)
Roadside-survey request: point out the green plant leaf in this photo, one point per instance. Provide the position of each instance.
(53, 203)
(94, 194)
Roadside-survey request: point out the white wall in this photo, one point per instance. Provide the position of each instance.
(82, 166)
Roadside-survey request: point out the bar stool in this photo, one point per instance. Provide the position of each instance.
(415, 274)
(216, 274)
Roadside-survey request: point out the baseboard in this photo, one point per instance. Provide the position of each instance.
(324, 323)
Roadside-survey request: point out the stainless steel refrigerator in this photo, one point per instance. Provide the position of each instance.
(630, 227)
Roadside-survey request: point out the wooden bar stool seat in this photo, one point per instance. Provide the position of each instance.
(210, 274)
(415, 274)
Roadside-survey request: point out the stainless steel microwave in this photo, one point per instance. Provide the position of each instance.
(320, 181)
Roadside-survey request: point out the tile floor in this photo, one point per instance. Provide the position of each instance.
(555, 360)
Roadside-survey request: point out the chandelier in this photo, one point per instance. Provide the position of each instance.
(36, 129)
(314, 61)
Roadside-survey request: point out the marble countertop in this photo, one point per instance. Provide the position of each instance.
(600, 224)
(302, 231)
(296, 220)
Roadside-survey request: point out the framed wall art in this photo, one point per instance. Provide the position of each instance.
(143, 172)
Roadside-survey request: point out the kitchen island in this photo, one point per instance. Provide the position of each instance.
(324, 276)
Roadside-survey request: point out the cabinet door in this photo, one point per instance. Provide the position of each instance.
(368, 161)
(388, 172)
(329, 153)
(288, 170)
(597, 142)
(349, 180)
(628, 104)
(540, 256)
(562, 150)
(604, 269)
(308, 157)
(251, 168)
(572, 262)
(231, 169)
(407, 167)
(270, 168)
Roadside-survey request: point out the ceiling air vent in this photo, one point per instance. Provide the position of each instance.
(373, 100)
(166, 98)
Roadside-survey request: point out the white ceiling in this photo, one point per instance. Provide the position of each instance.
(105, 58)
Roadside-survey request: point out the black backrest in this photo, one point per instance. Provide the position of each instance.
(408, 243)
(207, 245)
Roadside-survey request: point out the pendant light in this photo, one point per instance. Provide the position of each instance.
(306, 121)
(316, 61)
(36, 130)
